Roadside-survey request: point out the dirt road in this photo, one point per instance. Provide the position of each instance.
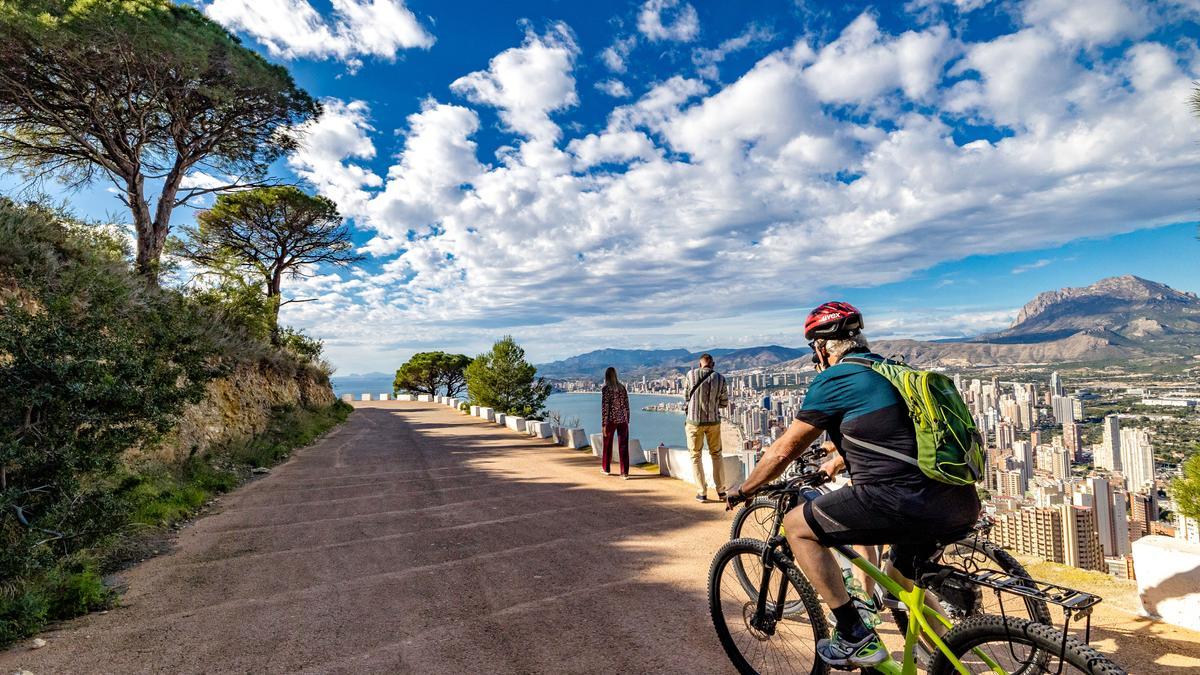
(414, 539)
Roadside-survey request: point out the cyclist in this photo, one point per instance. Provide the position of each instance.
(890, 500)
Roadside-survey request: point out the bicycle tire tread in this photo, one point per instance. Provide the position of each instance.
(974, 631)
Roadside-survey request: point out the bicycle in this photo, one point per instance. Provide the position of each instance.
(762, 632)
(972, 552)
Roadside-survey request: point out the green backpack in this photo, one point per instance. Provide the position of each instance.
(949, 448)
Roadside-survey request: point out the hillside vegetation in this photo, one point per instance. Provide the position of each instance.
(125, 408)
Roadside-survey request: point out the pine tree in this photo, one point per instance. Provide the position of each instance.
(503, 380)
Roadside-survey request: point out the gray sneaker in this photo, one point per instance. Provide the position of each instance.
(838, 651)
(702, 497)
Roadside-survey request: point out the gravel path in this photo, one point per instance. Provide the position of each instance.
(414, 539)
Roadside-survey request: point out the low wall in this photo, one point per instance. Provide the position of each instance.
(677, 463)
(1168, 579)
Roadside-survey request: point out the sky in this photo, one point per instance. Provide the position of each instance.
(670, 173)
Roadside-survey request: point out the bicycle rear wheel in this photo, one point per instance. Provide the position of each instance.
(754, 520)
(789, 646)
(1018, 646)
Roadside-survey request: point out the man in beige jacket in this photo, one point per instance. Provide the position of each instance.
(705, 392)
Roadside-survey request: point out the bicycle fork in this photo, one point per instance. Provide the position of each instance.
(763, 620)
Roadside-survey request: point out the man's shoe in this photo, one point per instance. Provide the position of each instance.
(702, 498)
(839, 651)
(867, 611)
(721, 496)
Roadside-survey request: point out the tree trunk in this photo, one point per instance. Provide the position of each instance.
(147, 253)
(273, 301)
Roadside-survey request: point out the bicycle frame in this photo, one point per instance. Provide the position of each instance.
(919, 621)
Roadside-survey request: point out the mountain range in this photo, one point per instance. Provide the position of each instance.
(1124, 318)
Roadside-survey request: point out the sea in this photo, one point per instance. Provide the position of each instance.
(651, 428)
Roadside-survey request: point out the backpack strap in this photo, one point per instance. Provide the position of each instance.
(884, 451)
(696, 386)
(857, 360)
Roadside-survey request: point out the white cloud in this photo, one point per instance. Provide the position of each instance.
(614, 87)
(864, 64)
(707, 60)
(757, 194)
(616, 54)
(668, 20)
(342, 132)
(1096, 22)
(527, 83)
(1035, 265)
(294, 29)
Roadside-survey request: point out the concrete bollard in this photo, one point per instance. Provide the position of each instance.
(384, 397)
(1168, 579)
(576, 438)
(636, 456)
(425, 398)
(515, 423)
(597, 443)
(404, 397)
(366, 397)
(347, 397)
(500, 417)
(486, 413)
(542, 430)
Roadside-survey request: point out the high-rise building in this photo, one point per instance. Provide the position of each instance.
(1023, 456)
(1109, 507)
(1073, 440)
(1060, 463)
(1063, 408)
(1137, 458)
(1035, 532)
(1081, 542)
(1187, 529)
(1108, 455)
(1143, 510)
(1011, 483)
(1056, 385)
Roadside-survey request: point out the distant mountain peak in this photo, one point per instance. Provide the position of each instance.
(1125, 294)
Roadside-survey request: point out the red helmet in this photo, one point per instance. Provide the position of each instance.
(833, 321)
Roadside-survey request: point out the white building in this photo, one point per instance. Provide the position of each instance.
(1137, 458)
(1108, 455)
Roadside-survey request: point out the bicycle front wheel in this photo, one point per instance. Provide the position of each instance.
(788, 644)
(1018, 646)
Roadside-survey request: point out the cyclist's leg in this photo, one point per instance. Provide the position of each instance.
(871, 553)
(816, 561)
(901, 565)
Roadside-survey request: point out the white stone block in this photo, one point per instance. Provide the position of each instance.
(474, 411)
(597, 441)
(677, 463)
(487, 413)
(1168, 579)
(404, 397)
(453, 403)
(500, 417)
(515, 423)
(576, 438)
(542, 430)
(425, 398)
(636, 456)
(366, 397)
(384, 397)
(347, 397)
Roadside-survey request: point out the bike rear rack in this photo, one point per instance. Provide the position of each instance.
(1076, 604)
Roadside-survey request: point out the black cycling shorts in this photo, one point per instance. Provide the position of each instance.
(845, 517)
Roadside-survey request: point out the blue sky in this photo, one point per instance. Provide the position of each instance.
(661, 173)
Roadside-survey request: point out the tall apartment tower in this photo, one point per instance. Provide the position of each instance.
(1073, 440)
(1033, 532)
(1056, 385)
(1137, 459)
(1143, 510)
(1108, 455)
(1109, 507)
(1081, 543)
(1023, 456)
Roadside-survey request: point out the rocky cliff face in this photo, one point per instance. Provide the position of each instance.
(239, 406)
(1115, 304)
